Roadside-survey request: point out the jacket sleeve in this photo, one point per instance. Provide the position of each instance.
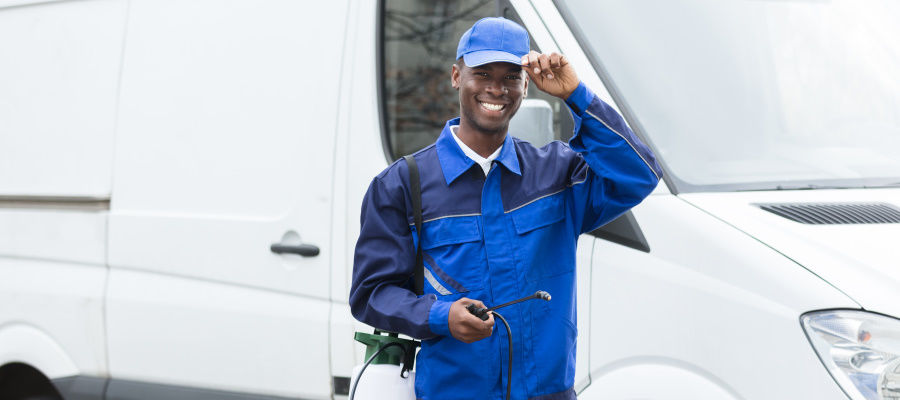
(383, 264)
(615, 170)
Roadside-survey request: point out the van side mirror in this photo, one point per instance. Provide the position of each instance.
(625, 231)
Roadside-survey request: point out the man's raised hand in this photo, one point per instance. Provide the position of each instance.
(551, 73)
(466, 327)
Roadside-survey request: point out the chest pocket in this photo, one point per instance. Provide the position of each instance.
(540, 213)
(545, 245)
(453, 255)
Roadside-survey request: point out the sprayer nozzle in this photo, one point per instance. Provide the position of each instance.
(542, 295)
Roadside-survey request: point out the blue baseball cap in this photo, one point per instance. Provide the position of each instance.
(493, 40)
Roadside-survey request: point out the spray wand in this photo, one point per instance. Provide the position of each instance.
(482, 312)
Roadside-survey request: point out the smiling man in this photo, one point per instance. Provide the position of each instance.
(501, 221)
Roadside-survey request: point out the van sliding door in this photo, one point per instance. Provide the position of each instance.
(220, 224)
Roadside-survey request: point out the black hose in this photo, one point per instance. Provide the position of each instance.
(509, 365)
(380, 349)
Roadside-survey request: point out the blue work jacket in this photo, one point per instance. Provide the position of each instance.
(496, 238)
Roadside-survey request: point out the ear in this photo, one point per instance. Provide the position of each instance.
(454, 76)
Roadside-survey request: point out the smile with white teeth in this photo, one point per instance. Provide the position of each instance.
(492, 107)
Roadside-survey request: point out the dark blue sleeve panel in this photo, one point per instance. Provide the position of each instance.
(383, 263)
(622, 169)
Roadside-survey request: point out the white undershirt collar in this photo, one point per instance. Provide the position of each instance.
(485, 163)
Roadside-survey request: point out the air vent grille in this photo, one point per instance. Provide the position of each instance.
(836, 213)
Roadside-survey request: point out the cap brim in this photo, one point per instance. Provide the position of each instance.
(482, 57)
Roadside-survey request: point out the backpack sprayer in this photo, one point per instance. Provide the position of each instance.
(391, 359)
(391, 376)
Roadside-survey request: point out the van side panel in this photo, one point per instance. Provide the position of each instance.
(167, 330)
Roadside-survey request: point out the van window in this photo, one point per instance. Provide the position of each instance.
(418, 48)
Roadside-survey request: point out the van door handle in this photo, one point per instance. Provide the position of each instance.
(305, 250)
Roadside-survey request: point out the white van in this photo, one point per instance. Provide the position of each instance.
(180, 185)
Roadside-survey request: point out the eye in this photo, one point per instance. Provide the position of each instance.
(514, 77)
(481, 74)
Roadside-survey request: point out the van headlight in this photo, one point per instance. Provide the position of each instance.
(860, 349)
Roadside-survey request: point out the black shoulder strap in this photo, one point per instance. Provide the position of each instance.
(416, 198)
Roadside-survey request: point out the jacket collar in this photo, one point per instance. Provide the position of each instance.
(454, 162)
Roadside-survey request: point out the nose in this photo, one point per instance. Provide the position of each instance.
(497, 88)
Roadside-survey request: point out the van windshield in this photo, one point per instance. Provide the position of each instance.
(755, 94)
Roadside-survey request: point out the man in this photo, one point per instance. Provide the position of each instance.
(501, 221)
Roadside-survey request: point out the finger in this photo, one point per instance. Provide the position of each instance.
(533, 62)
(471, 321)
(487, 332)
(544, 61)
(554, 60)
(478, 303)
(471, 330)
(484, 331)
(526, 59)
(490, 320)
(563, 61)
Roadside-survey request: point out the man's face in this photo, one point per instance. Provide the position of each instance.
(489, 95)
